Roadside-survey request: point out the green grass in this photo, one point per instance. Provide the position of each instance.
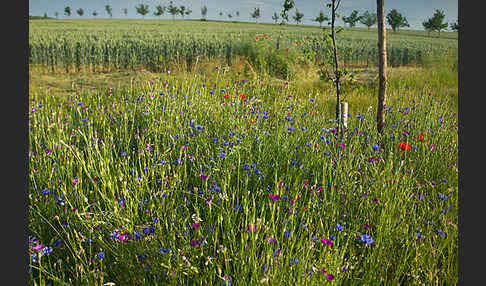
(129, 158)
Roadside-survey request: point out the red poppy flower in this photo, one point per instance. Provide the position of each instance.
(242, 96)
(287, 49)
(404, 146)
(297, 42)
(226, 96)
(421, 137)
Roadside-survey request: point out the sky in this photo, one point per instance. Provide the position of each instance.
(416, 11)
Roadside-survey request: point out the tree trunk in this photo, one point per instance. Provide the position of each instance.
(380, 111)
(336, 64)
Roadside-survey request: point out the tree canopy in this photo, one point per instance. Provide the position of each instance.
(368, 19)
(396, 20)
(321, 18)
(109, 10)
(287, 6)
(256, 14)
(352, 19)
(436, 22)
(142, 9)
(298, 16)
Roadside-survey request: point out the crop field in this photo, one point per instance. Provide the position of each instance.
(216, 177)
(94, 45)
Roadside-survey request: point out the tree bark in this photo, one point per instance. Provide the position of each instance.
(336, 64)
(380, 116)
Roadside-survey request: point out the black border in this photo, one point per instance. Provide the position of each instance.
(15, 77)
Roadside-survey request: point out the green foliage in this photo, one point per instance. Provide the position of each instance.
(204, 11)
(256, 13)
(142, 9)
(67, 11)
(436, 22)
(159, 10)
(109, 10)
(287, 6)
(396, 20)
(173, 10)
(80, 11)
(182, 10)
(298, 16)
(275, 17)
(321, 18)
(352, 19)
(454, 26)
(368, 19)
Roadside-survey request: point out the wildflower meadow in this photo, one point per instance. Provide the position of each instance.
(231, 178)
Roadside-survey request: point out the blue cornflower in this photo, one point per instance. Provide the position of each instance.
(101, 255)
(47, 250)
(339, 227)
(375, 147)
(222, 154)
(443, 197)
(124, 154)
(290, 128)
(366, 239)
(46, 192)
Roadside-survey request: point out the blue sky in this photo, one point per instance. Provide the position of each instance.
(416, 11)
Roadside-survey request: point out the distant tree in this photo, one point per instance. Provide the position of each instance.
(221, 13)
(109, 11)
(287, 6)
(142, 9)
(67, 11)
(352, 19)
(427, 27)
(182, 10)
(95, 13)
(396, 20)
(237, 13)
(298, 16)
(454, 26)
(80, 12)
(256, 14)
(321, 18)
(159, 11)
(436, 22)
(173, 10)
(368, 19)
(188, 11)
(125, 11)
(56, 14)
(230, 16)
(204, 11)
(275, 17)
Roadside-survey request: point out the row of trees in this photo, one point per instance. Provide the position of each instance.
(394, 18)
